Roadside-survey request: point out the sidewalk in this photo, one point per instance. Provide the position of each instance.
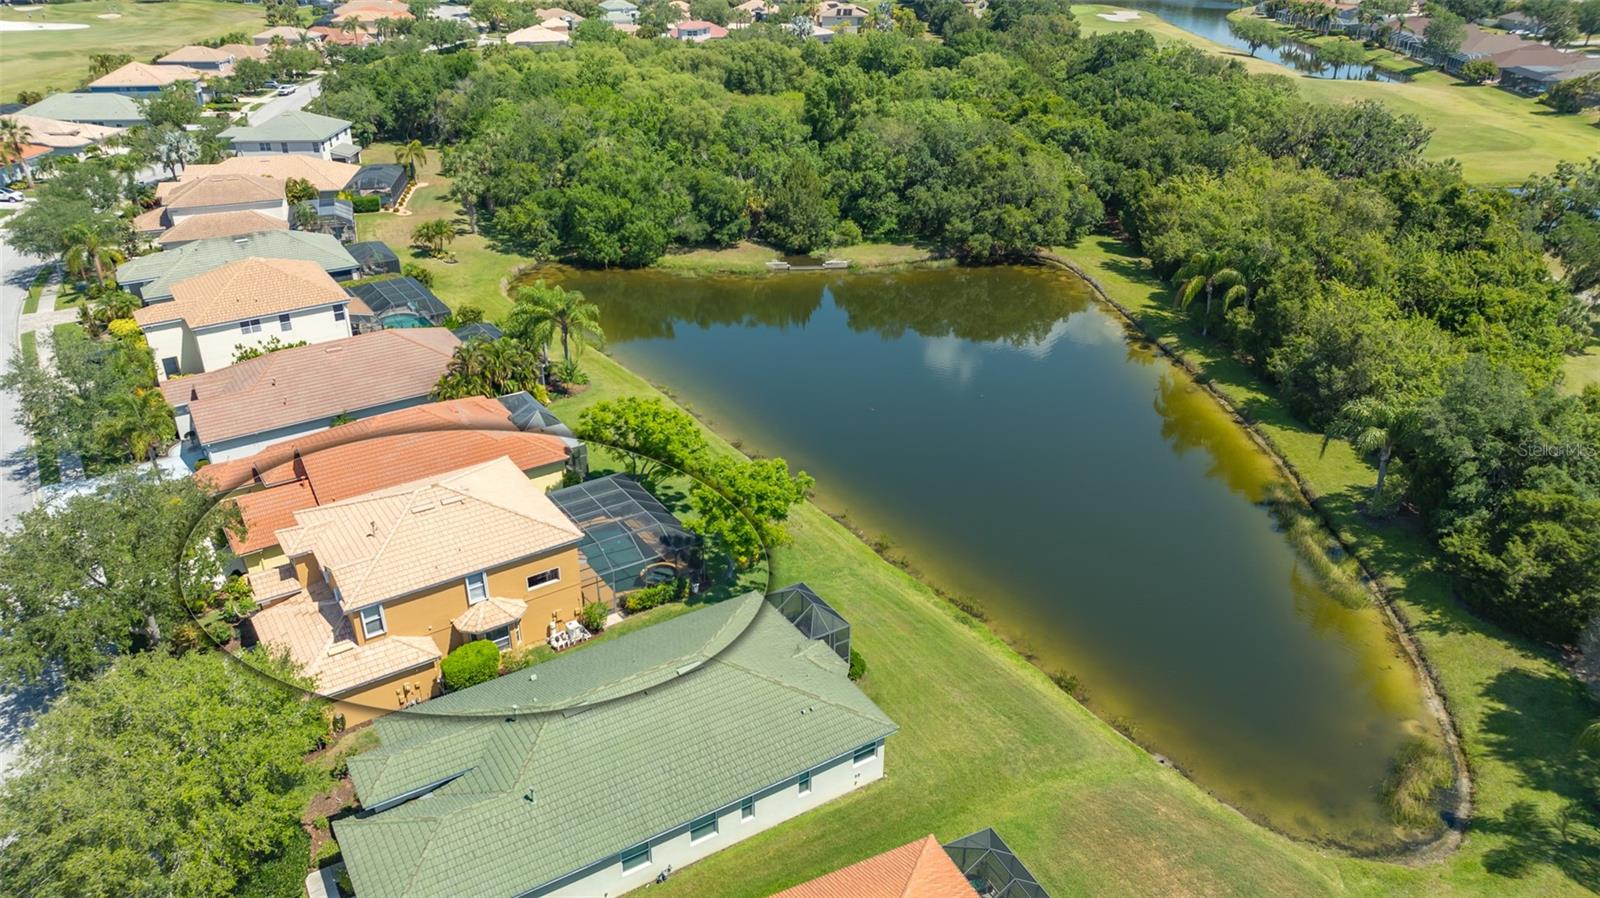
(44, 321)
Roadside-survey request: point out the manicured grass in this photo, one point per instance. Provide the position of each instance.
(59, 60)
(28, 348)
(1498, 137)
(1516, 707)
(1583, 370)
(987, 740)
(478, 276)
(538, 653)
(36, 289)
(61, 330)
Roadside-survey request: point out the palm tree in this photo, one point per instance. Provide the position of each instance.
(565, 312)
(14, 136)
(411, 155)
(1373, 427)
(434, 234)
(83, 250)
(486, 368)
(141, 421)
(1209, 272)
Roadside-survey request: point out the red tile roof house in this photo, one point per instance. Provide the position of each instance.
(241, 409)
(696, 31)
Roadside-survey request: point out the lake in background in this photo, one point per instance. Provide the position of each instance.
(1209, 19)
(998, 427)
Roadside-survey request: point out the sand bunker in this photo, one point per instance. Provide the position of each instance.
(39, 26)
(1121, 15)
(109, 15)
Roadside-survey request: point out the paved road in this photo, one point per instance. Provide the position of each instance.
(17, 477)
(302, 95)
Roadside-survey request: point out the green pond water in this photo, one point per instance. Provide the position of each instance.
(999, 428)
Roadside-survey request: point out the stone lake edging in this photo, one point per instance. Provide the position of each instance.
(1433, 694)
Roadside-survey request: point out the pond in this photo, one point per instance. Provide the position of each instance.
(998, 427)
(1209, 19)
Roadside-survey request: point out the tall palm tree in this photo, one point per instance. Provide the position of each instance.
(14, 136)
(1207, 273)
(567, 312)
(1373, 427)
(486, 368)
(434, 234)
(84, 250)
(140, 421)
(411, 155)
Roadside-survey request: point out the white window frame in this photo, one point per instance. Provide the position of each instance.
(805, 783)
(556, 571)
(864, 755)
(250, 326)
(482, 579)
(286, 322)
(747, 809)
(633, 855)
(383, 624)
(708, 820)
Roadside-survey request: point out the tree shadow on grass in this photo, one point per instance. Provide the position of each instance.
(1569, 840)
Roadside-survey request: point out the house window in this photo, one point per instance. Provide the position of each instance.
(865, 754)
(170, 365)
(338, 312)
(805, 784)
(264, 147)
(635, 858)
(702, 829)
(551, 576)
(477, 588)
(250, 326)
(285, 323)
(284, 146)
(501, 637)
(372, 623)
(747, 809)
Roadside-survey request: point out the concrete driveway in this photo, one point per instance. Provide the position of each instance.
(302, 95)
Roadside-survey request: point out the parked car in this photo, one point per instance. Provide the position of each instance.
(7, 195)
(270, 84)
(285, 90)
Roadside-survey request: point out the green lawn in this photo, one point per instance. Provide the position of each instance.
(1499, 137)
(987, 740)
(59, 60)
(28, 348)
(36, 289)
(1583, 370)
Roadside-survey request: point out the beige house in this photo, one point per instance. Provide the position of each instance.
(288, 34)
(210, 195)
(218, 224)
(141, 81)
(244, 303)
(380, 587)
(841, 16)
(213, 60)
(538, 37)
(326, 175)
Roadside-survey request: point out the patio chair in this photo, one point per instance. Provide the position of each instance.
(560, 640)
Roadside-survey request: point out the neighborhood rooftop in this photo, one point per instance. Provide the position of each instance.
(213, 225)
(157, 272)
(919, 869)
(295, 125)
(685, 717)
(249, 288)
(87, 107)
(326, 175)
(139, 74)
(307, 383)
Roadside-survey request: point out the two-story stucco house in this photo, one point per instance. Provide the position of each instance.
(381, 586)
(840, 16)
(151, 277)
(181, 201)
(244, 304)
(142, 81)
(297, 131)
(212, 60)
(595, 772)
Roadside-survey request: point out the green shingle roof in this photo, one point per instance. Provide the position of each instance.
(607, 748)
(159, 271)
(293, 125)
(97, 107)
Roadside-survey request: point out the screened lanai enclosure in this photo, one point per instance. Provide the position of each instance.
(813, 616)
(629, 538)
(992, 868)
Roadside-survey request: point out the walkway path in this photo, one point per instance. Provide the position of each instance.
(43, 322)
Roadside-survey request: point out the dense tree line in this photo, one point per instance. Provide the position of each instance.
(1329, 256)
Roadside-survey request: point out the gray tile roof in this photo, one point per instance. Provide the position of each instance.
(159, 271)
(86, 107)
(606, 748)
(293, 125)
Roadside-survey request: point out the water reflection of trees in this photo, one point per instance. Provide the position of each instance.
(646, 305)
(1191, 420)
(1019, 307)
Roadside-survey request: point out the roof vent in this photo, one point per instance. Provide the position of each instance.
(530, 797)
(454, 499)
(687, 667)
(421, 507)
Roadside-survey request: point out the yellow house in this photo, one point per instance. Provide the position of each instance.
(383, 585)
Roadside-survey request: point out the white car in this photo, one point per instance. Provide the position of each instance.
(285, 90)
(7, 195)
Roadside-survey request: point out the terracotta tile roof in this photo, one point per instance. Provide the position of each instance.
(371, 10)
(139, 74)
(918, 870)
(490, 614)
(218, 190)
(331, 35)
(48, 132)
(151, 221)
(537, 35)
(288, 33)
(375, 463)
(218, 224)
(324, 174)
(250, 288)
(194, 53)
(556, 12)
(270, 584)
(248, 51)
(395, 541)
(314, 631)
(311, 383)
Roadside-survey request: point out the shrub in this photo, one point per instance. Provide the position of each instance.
(471, 664)
(1416, 775)
(858, 665)
(424, 277)
(366, 203)
(593, 616)
(652, 596)
(1480, 70)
